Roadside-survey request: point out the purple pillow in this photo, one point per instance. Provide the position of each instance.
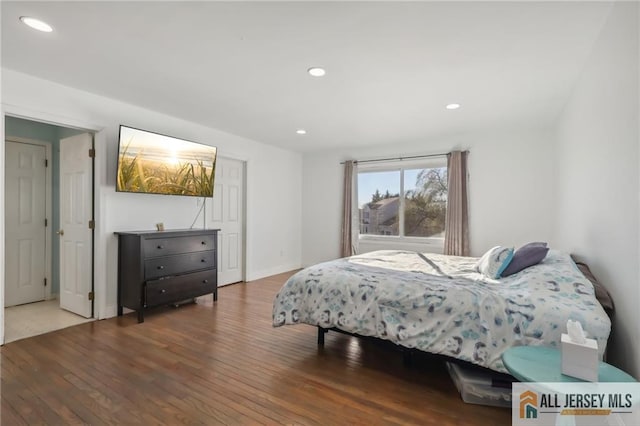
(527, 255)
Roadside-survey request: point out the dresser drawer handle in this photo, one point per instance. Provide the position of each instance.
(205, 281)
(160, 247)
(163, 291)
(204, 243)
(203, 260)
(161, 267)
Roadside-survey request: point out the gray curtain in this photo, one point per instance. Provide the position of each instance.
(456, 233)
(346, 236)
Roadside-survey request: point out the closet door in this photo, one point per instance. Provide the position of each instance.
(227, 213)
(25, 230)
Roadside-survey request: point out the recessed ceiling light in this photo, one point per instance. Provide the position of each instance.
(453, 106)
(301, 131)
(316, 71)
(36, 24)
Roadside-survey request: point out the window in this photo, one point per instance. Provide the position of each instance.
(402, 200)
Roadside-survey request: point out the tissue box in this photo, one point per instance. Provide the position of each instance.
(580, 360)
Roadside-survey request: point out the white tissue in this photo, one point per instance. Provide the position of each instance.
(575, 332)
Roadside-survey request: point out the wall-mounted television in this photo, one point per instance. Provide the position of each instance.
(157, 164)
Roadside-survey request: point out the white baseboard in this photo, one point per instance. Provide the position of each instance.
(256, 275)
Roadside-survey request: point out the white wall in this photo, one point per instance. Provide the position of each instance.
(597, 155)
(273, 220)
(511, 190)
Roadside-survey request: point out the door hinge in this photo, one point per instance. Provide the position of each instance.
(90, 295)
(46, 223)
(92, 224)
(45, 282)
(46, 162)
(92, 153)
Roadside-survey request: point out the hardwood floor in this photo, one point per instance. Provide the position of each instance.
(225, 364)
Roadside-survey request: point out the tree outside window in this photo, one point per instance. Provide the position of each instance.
(425, 206)
(408, 202)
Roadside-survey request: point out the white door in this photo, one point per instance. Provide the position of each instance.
(25, 230)
(76, 211)
(227, 213)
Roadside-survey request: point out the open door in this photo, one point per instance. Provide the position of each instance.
(76, 224)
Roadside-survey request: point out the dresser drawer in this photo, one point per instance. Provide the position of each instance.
(154, 247)
(171, 265)
(181, 287)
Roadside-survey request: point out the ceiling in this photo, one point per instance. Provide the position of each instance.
(242, 67)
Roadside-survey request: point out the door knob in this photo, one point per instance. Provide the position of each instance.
(60, 232)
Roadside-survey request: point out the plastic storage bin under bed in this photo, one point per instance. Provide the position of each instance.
(477, 386)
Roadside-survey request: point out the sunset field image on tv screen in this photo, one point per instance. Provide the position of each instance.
(157, 164)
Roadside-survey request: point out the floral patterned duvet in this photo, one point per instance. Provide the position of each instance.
(440, 304)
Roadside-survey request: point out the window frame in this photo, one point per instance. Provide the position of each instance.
(399, 166)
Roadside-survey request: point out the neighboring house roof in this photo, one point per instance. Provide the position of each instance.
(381, 203)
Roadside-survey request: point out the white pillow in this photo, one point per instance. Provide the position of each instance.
(494, 261)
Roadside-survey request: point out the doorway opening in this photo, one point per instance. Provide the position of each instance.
(49, 210)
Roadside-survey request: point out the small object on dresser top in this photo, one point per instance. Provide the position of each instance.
(160, 226)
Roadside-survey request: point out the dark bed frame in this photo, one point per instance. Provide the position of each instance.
(407, 353)
(502, 380)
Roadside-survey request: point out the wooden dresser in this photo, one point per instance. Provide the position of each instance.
(163, 267)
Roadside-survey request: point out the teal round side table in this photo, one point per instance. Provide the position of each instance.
(542, 364)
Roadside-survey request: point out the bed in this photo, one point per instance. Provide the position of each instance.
(442, 305)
